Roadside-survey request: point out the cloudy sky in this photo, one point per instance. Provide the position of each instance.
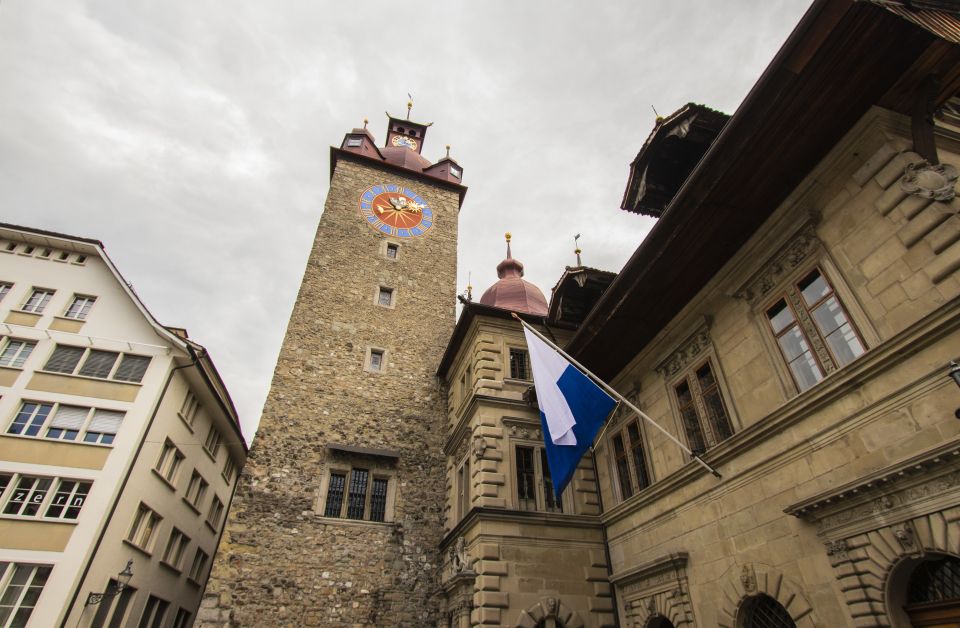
(191, 136)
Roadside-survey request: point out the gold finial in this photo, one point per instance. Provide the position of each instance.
(365, 121)
(448, 151)
(576, 249)
(409, 105)
(469, 286)
(507, 236)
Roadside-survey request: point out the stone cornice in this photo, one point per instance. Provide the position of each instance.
(669, 562)
(481, 514)
(914, 339)
(933, 475)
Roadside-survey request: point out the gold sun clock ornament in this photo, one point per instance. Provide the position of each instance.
(395, 210)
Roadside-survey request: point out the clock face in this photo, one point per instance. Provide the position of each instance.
(396, 211)
(403, 140)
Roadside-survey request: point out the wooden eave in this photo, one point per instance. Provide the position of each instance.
(339, 153)
(841, 59)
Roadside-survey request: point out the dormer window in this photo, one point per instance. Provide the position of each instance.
(354, 142)
(455, 171)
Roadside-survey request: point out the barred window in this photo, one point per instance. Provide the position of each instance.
(762, 611)
(519, 364)
(361, 494)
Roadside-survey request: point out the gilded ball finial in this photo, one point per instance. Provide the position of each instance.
(507, 236)
(365, 122)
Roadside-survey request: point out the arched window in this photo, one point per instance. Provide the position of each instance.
(934, 591)
(659, 621)
(762, 611)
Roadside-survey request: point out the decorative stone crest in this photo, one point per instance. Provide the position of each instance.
(793, 255)
(748, 579)
(550, 606)
(459, 561)
(904, 537)
(928, 181)
(837, 548)
(479, 446)
(690, 349)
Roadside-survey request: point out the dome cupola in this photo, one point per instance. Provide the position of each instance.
(512, 292)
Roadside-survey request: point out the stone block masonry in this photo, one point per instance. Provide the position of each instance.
(281, 562)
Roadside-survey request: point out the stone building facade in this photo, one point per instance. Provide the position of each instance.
(339, 514)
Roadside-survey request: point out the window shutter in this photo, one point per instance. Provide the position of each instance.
(106, 422)
(132, 368)
(64, 359)
(99, 363)
(69, 417)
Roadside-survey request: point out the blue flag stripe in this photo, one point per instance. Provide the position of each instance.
(590, 406)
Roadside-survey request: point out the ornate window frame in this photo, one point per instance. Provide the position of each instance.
(527, 433)
(657, 587)
(380, 465)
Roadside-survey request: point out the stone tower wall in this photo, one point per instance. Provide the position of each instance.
(281, 563)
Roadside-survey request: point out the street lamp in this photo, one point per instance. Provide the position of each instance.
(123, 579)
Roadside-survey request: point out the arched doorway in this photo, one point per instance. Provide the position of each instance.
(933, 593)
(659, 621)
(762, 611)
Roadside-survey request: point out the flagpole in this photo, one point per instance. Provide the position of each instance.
(617, 396)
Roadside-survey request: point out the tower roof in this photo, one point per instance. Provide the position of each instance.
(512, 292)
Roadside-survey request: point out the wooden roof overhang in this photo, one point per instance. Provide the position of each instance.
(841, 59)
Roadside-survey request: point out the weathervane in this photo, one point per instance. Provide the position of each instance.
(576, 248)
(409, 104)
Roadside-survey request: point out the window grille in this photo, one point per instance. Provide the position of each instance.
(334, 495)
(519, 364)
(378, 500)
(763, 611)
(358, 493)
(935, 581)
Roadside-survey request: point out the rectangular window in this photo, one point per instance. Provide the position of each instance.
(28, 496)
(378, 499)
(182, 620)
(551, 502)
(169, 462)
(702, 410)
(534, 482)
(637, 456)
(68, 499)
(385, 296)
(112, 611)
(392, 250)
(198, 566)
(103, 427)
(175, 549)
(456, 172)
(97, 363)
(212, 444)
(519, 364)
(15, 352)
(153, 613)
(20, 587)
(358, 493)
(66, 422)
(463, 488)
(79, 307)
(824, 323)
(335, 490)
(144, 526)
(526, 479)
(30, 418)
(38, 300)
(188, 410)
(622, 463)
(354, 142)
(5, 287)
(216, 510)
(196, 490)
(376, 360)
(229, 469)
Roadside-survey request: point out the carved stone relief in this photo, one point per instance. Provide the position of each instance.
(928, 181)
(692, 347)
(793, 255)
(657, 588)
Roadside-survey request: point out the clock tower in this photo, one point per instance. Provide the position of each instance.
(339, 512)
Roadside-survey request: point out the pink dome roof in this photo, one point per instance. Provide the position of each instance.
(512, 292)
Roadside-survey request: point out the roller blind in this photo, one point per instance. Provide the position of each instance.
(69, 417)
(106, 422)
